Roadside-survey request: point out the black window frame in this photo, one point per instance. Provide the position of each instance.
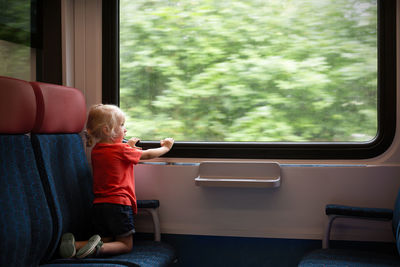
(46, 39)
(276, 150)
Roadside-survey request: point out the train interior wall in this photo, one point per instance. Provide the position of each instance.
(241, 226)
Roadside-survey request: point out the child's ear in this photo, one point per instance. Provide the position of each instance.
(106, 131)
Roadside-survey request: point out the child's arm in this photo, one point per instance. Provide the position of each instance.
(152, 153)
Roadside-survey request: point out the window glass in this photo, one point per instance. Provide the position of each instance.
(250, 70)
(16, 54)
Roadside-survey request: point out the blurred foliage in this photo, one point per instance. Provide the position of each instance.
(251, 70)
(15, 38)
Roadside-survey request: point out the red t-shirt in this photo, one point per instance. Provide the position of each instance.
(113, 178)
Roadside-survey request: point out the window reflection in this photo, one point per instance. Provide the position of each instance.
(17, 56)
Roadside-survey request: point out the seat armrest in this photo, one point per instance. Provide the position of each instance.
(148, 204)
(151, 207)
(341, 211)
(367, 213)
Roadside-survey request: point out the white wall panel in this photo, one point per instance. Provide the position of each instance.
(295, 210)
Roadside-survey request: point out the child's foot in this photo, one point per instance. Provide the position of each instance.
(67, 246)
(91, 248)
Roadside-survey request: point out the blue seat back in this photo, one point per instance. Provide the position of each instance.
(61, 157)
(25, 220)
(65, 170)
(396, 221)
(396, 213)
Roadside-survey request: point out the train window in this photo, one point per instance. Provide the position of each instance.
(16, 54)
(30, 40)
(255, 79)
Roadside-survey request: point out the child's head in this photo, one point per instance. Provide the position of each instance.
(104, 123)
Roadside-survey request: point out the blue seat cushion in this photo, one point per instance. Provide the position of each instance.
(144, 254)
(337, 257)
(89, 263)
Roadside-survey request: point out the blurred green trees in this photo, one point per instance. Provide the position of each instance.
(15, 39)
(251, 70)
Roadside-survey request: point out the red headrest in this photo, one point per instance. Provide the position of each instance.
(60, 109)
(17, 106)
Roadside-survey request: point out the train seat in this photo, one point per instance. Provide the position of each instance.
(26, 227)
(66, 173)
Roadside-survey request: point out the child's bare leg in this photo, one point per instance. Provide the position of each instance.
(119, 246)
(80, 244)
(107, 239)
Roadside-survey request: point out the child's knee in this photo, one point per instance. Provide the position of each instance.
(130, 245)
(128, 249)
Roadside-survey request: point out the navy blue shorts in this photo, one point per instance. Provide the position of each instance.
(113, 220)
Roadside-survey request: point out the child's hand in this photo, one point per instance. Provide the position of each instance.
(167, 142)
(132, 142)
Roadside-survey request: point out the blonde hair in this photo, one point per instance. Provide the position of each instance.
(101, 116)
